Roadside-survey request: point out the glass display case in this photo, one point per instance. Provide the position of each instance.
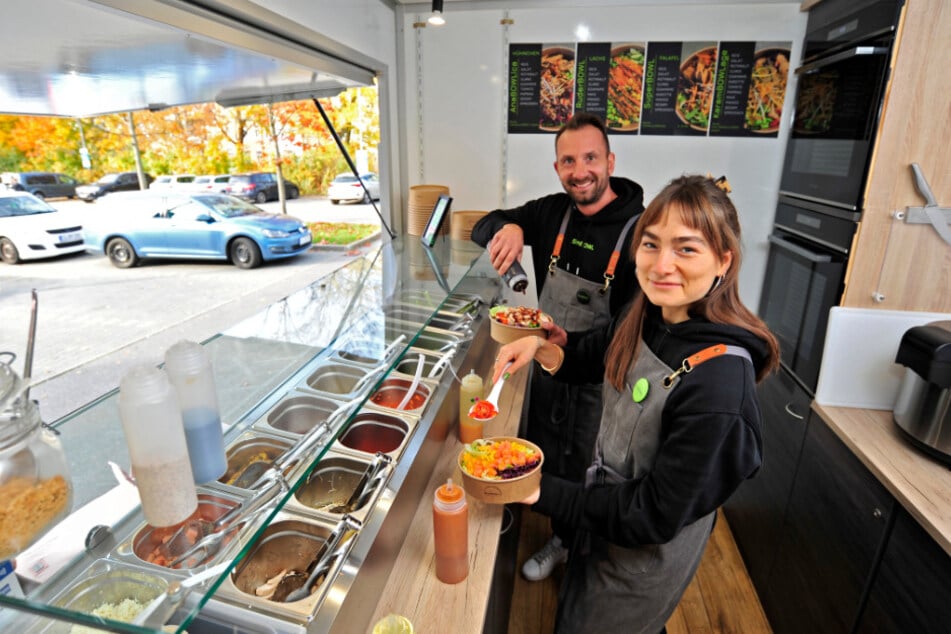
(328, 399)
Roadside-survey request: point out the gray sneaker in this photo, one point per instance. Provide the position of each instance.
(540, 565)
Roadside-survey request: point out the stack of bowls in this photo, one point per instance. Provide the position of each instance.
(422, 199)
(462, 223)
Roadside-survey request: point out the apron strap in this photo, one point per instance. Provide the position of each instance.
(703, 356)
(559, 241)
(616, 255)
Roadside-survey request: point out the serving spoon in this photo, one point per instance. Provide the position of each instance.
(492, 398)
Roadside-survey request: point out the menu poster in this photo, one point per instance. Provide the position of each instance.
(591, 78)
(625, 87)
(541, 87)
(750, 88)
(524, 77)
(661, 76)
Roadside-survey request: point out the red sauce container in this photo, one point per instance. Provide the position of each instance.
(451, 533)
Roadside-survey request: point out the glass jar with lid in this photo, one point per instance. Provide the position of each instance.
(35, 488)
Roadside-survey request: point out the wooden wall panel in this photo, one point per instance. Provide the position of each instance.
(909, 264)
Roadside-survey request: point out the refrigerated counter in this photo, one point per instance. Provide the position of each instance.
(330, 369)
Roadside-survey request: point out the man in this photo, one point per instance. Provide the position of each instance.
(573, 236)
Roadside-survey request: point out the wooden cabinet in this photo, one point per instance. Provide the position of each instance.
(755, 512)
(910, 591)
(835, 525)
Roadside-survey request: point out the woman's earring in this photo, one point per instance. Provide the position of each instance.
(716, 284)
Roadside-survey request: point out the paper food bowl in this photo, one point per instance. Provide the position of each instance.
(503, 491)
(503, 333)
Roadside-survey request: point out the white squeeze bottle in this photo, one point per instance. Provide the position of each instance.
(152, 424)
(189, 369)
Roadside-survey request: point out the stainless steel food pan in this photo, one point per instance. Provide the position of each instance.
(297, 413)
(250, 448)
(105, 582)
(337, 380)
(290, 543)
(388, 396)
(336, 479)
(407, 366)
(141, 547)
(373, 430)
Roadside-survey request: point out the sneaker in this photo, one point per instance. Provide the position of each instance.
(540, 565)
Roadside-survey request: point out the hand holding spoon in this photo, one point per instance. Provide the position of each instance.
(488, 408)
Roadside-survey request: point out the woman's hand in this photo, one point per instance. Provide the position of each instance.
(533, 497)
(506, 247)
(556, 334)
(520, 352)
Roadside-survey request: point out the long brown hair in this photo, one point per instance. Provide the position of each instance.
(703, 207)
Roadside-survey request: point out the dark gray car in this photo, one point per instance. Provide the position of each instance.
(41, 184)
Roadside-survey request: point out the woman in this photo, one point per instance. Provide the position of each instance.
(680, 427)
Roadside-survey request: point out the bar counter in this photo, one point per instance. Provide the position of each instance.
(412, 589)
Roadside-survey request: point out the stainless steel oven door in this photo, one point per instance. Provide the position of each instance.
(838, 104)
(803, 282)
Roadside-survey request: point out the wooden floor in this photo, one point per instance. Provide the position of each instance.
(720, 599)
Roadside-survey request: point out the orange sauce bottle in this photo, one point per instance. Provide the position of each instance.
(451, 533)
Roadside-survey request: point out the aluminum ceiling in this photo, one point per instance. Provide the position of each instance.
(79, 58)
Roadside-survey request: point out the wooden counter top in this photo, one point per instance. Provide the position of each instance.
(412, 589)
(920, 483)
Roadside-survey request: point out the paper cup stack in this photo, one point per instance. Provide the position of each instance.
(422, 199)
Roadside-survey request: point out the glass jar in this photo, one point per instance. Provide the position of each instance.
(35, 488)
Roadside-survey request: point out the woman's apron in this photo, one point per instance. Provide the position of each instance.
(563, 420)
(614, 589)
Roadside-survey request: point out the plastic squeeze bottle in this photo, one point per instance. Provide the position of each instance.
(152, 425)
(451, 533)
(469, 429)
(189, 370)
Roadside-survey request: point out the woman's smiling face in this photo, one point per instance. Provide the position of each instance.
(676, 266)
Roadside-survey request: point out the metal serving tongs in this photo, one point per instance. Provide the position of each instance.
(337, 549)
(182, 542)
(371, 479)
(384, 365)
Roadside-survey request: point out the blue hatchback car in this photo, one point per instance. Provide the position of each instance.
(192, 226)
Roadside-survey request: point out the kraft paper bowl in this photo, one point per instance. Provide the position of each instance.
(503, 491)
(504, 333)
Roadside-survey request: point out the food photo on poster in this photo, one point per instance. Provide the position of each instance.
(750, 88)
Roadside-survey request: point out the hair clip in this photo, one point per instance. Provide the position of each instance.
(721, 182)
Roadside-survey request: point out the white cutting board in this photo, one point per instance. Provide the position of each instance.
(858, 359)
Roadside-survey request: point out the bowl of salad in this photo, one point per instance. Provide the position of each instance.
(509, 323)
(500, 470)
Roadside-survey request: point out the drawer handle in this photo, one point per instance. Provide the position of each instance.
(792, 413)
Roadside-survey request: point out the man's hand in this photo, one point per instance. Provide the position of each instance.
(506, 247)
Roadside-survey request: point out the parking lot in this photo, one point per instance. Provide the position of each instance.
(94, 319)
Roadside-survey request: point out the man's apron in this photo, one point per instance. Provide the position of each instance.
(609, 588)
(563, 419)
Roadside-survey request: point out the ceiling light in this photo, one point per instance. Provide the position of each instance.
(436, 18)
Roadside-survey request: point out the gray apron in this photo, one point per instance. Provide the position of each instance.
(563, 419)
(609, 588)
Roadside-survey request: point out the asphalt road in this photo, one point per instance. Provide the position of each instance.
(95, 320)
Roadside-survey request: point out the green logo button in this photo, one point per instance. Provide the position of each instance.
(639, 393)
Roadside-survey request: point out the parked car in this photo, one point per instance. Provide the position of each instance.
(123, 181)
(259, 187)
(31, 229)
(172, 181)
(163, 224)
(347, 187)
(211, 183)
(41, 184)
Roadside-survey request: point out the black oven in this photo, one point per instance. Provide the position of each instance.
(839, 95)
(805, 273)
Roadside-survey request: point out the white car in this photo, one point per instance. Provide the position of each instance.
(347, 187)
(173, 181)
(31, 229)
(211, 184)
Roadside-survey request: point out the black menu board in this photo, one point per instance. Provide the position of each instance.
(541, 87)
(750, 88)
(524, 78)
(591, 78)
(661, 75)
